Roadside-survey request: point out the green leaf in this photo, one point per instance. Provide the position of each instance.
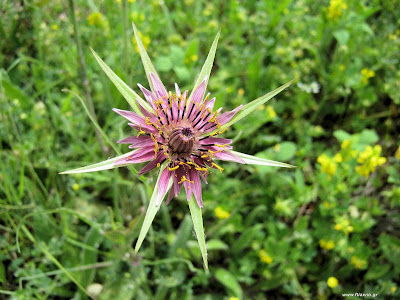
(129, 94)
(368, 137)
(229, 281)
(253, 160)
(285, 151)
(206, 69)
(104, 165)
(147, 64)
(151, 210)
(377, 271)
(342, 36)
(216, 245)
(197, 219)
(250, 107)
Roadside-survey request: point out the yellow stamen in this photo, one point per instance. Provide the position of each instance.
(183, 179)
(174, 168)
(218, 167)
(140, 131)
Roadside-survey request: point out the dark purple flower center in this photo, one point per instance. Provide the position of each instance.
(181, 140)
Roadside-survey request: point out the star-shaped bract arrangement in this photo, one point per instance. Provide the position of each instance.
(178, 134)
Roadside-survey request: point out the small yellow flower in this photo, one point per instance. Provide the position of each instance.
(332, 282)
(241, 92)
(393, 289)
(220, 213)
(75, 186)
(366, 75)
(358, 262)
(345, 144)
(342, 68)
(327, 245)
(335, 9)
(54, 27)
(338, 158)
(369, 159)
(95, 18)
(233, 298)
(338, 227)
(271, 111)
(194, 57)
(328, 166)
(265, 257)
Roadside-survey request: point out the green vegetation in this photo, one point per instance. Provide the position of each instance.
(328, 227)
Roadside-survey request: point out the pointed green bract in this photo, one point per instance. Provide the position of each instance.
(195, 212)
(152, 209)
(206, 69)
(250, 107)
(104, 165)
(254, 160)
(147, 64)
(129, 94)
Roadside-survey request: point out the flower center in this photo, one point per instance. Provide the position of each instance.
(181, 140)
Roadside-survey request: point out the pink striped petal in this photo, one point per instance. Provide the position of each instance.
(214, 140)
(151, 165)
(131, 116)
(141, 155)
(148, 95)
(199, 91)
(226, 155)
(163, 185)
(227, 116)
(196, 186)
(158, 85)
(146, 128)
(139, 141)
(210, 104)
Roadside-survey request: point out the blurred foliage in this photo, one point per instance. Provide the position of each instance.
(329, 227)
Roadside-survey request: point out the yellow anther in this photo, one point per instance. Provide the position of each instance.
(222, 131)
(174, 168)
(183, 179)
(158, 165)
(221, 146)
(204, 156)
(140, 131)
(201, 169)
(218, 167)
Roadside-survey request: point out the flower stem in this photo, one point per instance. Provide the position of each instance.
(83, 71)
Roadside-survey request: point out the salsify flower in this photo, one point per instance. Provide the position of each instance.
(177, 133)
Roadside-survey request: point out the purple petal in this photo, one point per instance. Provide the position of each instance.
(199, 91)
(226, 155)
(141, 155)
(196, 186)
(163, 185)
(210, 104)
(157, 85)
(148, 95)
(227, 116)
(214, 140)
(137, 141)
(151, 165)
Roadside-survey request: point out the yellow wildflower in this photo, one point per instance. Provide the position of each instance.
(233, 298)
(366, 74)
(393, 289)
(338, 158)
(265, 257)
(328, 166)
(271, 111)
(75, 186)
(335, 9)
(358, 262)
(332, 282)
(327, 245)
(338, 227)
(345, 144)
(369, 159)
(54, 27)
(241, 92)
(220, 213)
(95, 18)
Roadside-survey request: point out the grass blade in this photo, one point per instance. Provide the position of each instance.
(129, 94)
(206, 69)
(250, 107)
(151, 210)
(254, 160)
(197, 219)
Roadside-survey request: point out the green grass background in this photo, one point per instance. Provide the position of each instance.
(72, 236)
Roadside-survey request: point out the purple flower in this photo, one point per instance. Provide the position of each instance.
(178, 132)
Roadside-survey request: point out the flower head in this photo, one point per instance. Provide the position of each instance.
(177, 132)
